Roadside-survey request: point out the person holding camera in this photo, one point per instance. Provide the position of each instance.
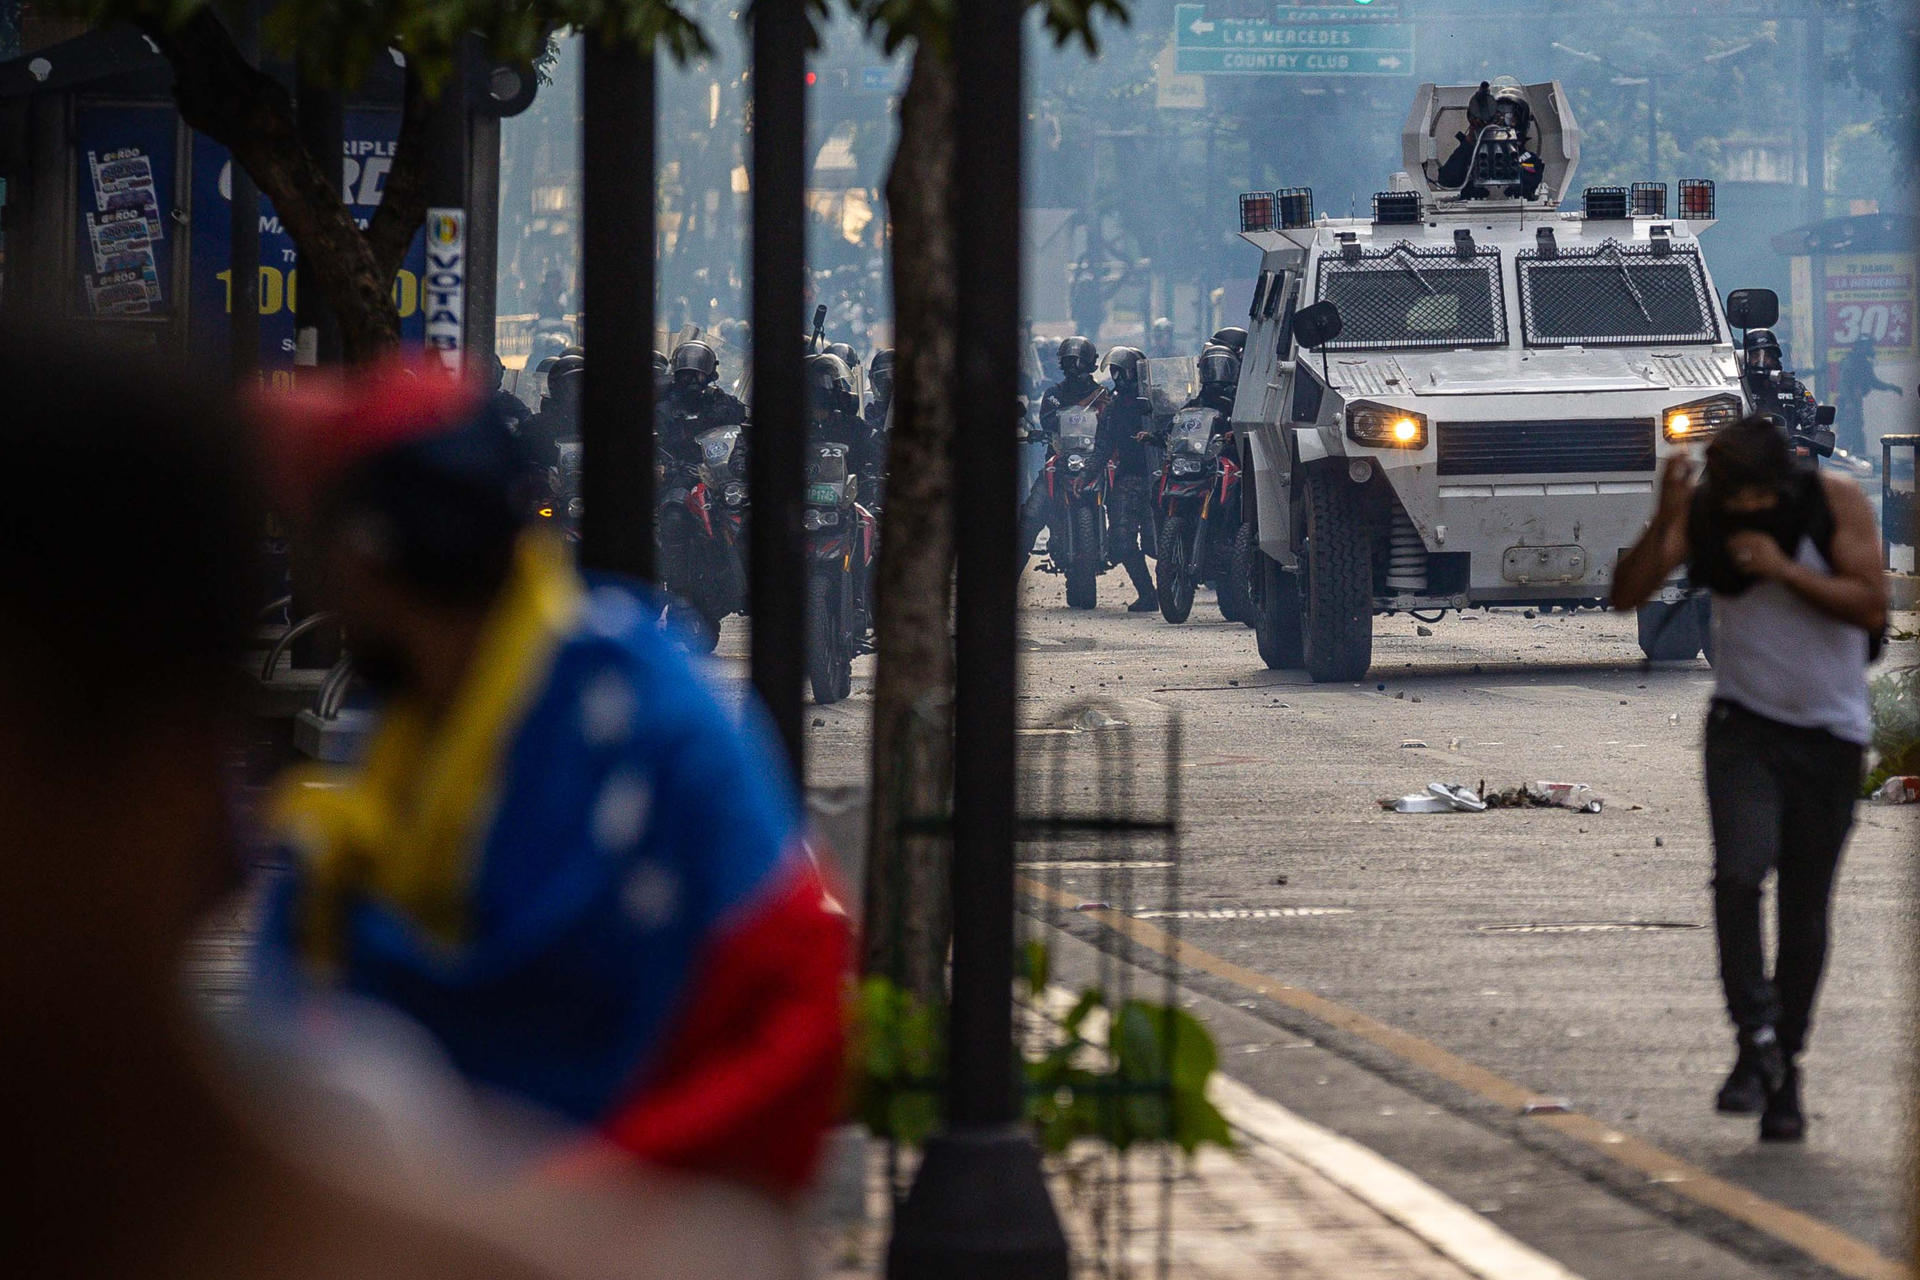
(1793, 560)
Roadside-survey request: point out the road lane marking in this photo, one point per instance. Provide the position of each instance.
(1825, 1244)
(1449, 1227)
(1241, 913)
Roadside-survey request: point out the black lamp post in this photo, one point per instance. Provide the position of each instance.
(979, 1205)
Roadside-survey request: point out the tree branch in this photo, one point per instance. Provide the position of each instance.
(403, 204)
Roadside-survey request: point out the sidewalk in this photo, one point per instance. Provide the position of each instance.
(1294, 1201)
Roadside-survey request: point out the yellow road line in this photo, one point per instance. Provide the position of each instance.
(1825, 1244)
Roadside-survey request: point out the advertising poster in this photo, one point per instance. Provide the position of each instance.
(1869, 297)
(126, 179)
(365, 162)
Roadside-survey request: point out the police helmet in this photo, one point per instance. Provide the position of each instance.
(1125, 363)
(1758, 345)
(1219, 367)
(695, 364)
(880, 372)
(828, 379)
(1232, 338)
(848, 356)
(565, 373)
(1077, 356)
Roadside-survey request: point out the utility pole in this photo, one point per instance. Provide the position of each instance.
(979, 1205)
(776, 460)
(616, 249)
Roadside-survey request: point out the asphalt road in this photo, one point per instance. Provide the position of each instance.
(1432, 924)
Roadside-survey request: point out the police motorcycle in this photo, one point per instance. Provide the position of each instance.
(841, 535)
(561, 506)
(701, 504)
(1077, 484)
(1197, 497)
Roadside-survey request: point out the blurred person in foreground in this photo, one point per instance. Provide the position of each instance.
(126, 588)
(560, 857)
(1792, 557)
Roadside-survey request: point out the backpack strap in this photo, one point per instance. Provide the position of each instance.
(1820, 527)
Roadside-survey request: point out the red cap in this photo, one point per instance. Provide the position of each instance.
(329, 421)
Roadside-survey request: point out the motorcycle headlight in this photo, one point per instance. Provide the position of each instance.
(734, 494)
(1186, 466)
(1700, 419)
(575, 507)
(1382, 426)
(1075, 462)
(815, 520)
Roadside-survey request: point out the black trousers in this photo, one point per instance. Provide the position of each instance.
(1130, 528)
(1781, 800)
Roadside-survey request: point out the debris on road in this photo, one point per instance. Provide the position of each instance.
(1418, 804)
(1095, 718)
(1423, 631)
(1547, 1107)
(1577, 796)
(1413, 744)
(1439, 797)
(1659, 842)
(1902, 789)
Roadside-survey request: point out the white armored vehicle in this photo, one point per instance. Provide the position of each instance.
(1465, 399)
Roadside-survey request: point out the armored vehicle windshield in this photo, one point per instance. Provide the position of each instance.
(1614, 295)
(1405, 298)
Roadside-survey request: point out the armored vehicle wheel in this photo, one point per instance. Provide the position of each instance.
(1673, 632)
(1339, 582)
(829, 653)
(1243, 574)
(1083, 565)
(1172, 571)
(1275, 608)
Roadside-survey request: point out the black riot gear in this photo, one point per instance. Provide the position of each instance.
(848, 356)
(829, 381)
(1233, 339)
(695, 365)
(1126, 365)
(1762, 351)
(1219, 372)
(1077, 357)
(880, 374)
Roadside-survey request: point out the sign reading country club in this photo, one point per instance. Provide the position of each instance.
(1299, 40)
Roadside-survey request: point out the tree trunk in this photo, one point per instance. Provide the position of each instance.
(907, 911)
(225, 97)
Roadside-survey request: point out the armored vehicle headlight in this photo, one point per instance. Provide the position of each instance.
(1385, 427)
(1699, 419)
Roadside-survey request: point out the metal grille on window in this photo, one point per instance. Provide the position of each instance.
(1614, 295)
(1407, 298)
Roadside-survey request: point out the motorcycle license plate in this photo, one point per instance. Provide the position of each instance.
(825, 494)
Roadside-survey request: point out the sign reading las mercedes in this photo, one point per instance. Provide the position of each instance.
(1307, 40)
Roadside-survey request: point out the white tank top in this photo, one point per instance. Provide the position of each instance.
(1779, 657)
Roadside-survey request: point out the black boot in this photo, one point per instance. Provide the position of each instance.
(1756, 1074)
(1142, 586)
(1782, 1121)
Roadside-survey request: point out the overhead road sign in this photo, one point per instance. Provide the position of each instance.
(1290, 44)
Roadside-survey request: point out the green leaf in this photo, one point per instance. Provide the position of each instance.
(1036, 967)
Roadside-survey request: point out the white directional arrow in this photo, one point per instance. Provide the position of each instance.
(1390, 63)
(1200, 26)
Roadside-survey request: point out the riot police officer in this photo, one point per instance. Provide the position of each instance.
(694, 403)
(558, 421)
(1233, 339)
(1076, 389)
(880, 384)
(1219, 372)
(1160, 343)
(1773, 389)
(834, 414)
(1127, 437)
